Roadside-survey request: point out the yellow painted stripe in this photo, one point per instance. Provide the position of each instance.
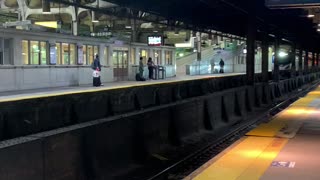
(237, 160)
(263, 161)
(269, 129)
(304, 101)
(70, 92)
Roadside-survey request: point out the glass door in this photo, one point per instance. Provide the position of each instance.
(120, 65)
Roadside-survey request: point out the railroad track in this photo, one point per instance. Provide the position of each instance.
(192, 162)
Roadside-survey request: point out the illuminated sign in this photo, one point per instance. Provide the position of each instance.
(154, 40)
(291, 3)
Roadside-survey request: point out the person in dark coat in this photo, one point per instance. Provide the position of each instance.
(97, 67)
(141, 66)
(150, 68)
(221, 63)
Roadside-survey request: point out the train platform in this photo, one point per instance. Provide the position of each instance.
(58, 91)
(286, 147)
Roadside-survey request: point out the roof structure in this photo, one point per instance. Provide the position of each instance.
(231, 16)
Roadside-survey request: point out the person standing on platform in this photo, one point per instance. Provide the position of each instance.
(212, 65)
(150, 68)
(96, 66)
(221, 63)
(141, 67)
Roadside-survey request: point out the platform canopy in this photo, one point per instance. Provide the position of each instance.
(231, 16)
(292, 3)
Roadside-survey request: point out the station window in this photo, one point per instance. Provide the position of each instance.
(133, 56)
(72, 54)
(89, 51)
(34, 52)
(58, 48)
(84, 49)
(66, 53)
(168, 56)
(157, 57)
(105, 56)
(25, 51)
(144, 54)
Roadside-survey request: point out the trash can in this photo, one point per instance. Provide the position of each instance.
(162, 71)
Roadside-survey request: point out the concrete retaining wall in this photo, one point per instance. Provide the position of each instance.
(108, 147)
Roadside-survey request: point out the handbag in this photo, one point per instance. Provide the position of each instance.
(96, 74)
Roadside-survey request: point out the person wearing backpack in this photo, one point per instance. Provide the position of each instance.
(96, 66)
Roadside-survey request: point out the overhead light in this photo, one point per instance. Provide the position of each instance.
(93, 16)
(283, 54)
(155, 31)
(310, 15)
(244, 51)
(49, 24)
(128, 27)
(46, 7)
(318, 30)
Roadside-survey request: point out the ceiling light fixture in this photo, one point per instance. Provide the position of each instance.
(310, 16)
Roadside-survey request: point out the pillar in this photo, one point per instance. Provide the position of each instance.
(251, 36)
(306, 65)
(276, 71)
(293, 61)
(300, 62)
(199, 46)
(75, 27)
(265, 58)
(134, 35)
(317, 61)
(313, 63)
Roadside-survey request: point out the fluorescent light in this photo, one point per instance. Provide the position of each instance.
(245, 51)
(49, 24)
(310, 16)
(128, 27)
(283, 54)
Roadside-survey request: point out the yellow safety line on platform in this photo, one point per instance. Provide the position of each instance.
(242, 160)
(297, 110)
(70, 92)
(304, 101)
(269, 129)
(263, 161)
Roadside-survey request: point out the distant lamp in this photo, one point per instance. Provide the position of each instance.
(46, 7)
(310, 15)
(318, 30)
(93, 16)
(283, 54)
(244, 51)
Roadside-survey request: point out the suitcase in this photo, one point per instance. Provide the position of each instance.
(139, 78)
(96, 81)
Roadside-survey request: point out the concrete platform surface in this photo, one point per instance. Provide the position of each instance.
(287, 147)
(38, 93)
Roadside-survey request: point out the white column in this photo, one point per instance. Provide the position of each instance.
(110, 53)
(163, 57)
(75, 27)
(137, 57)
